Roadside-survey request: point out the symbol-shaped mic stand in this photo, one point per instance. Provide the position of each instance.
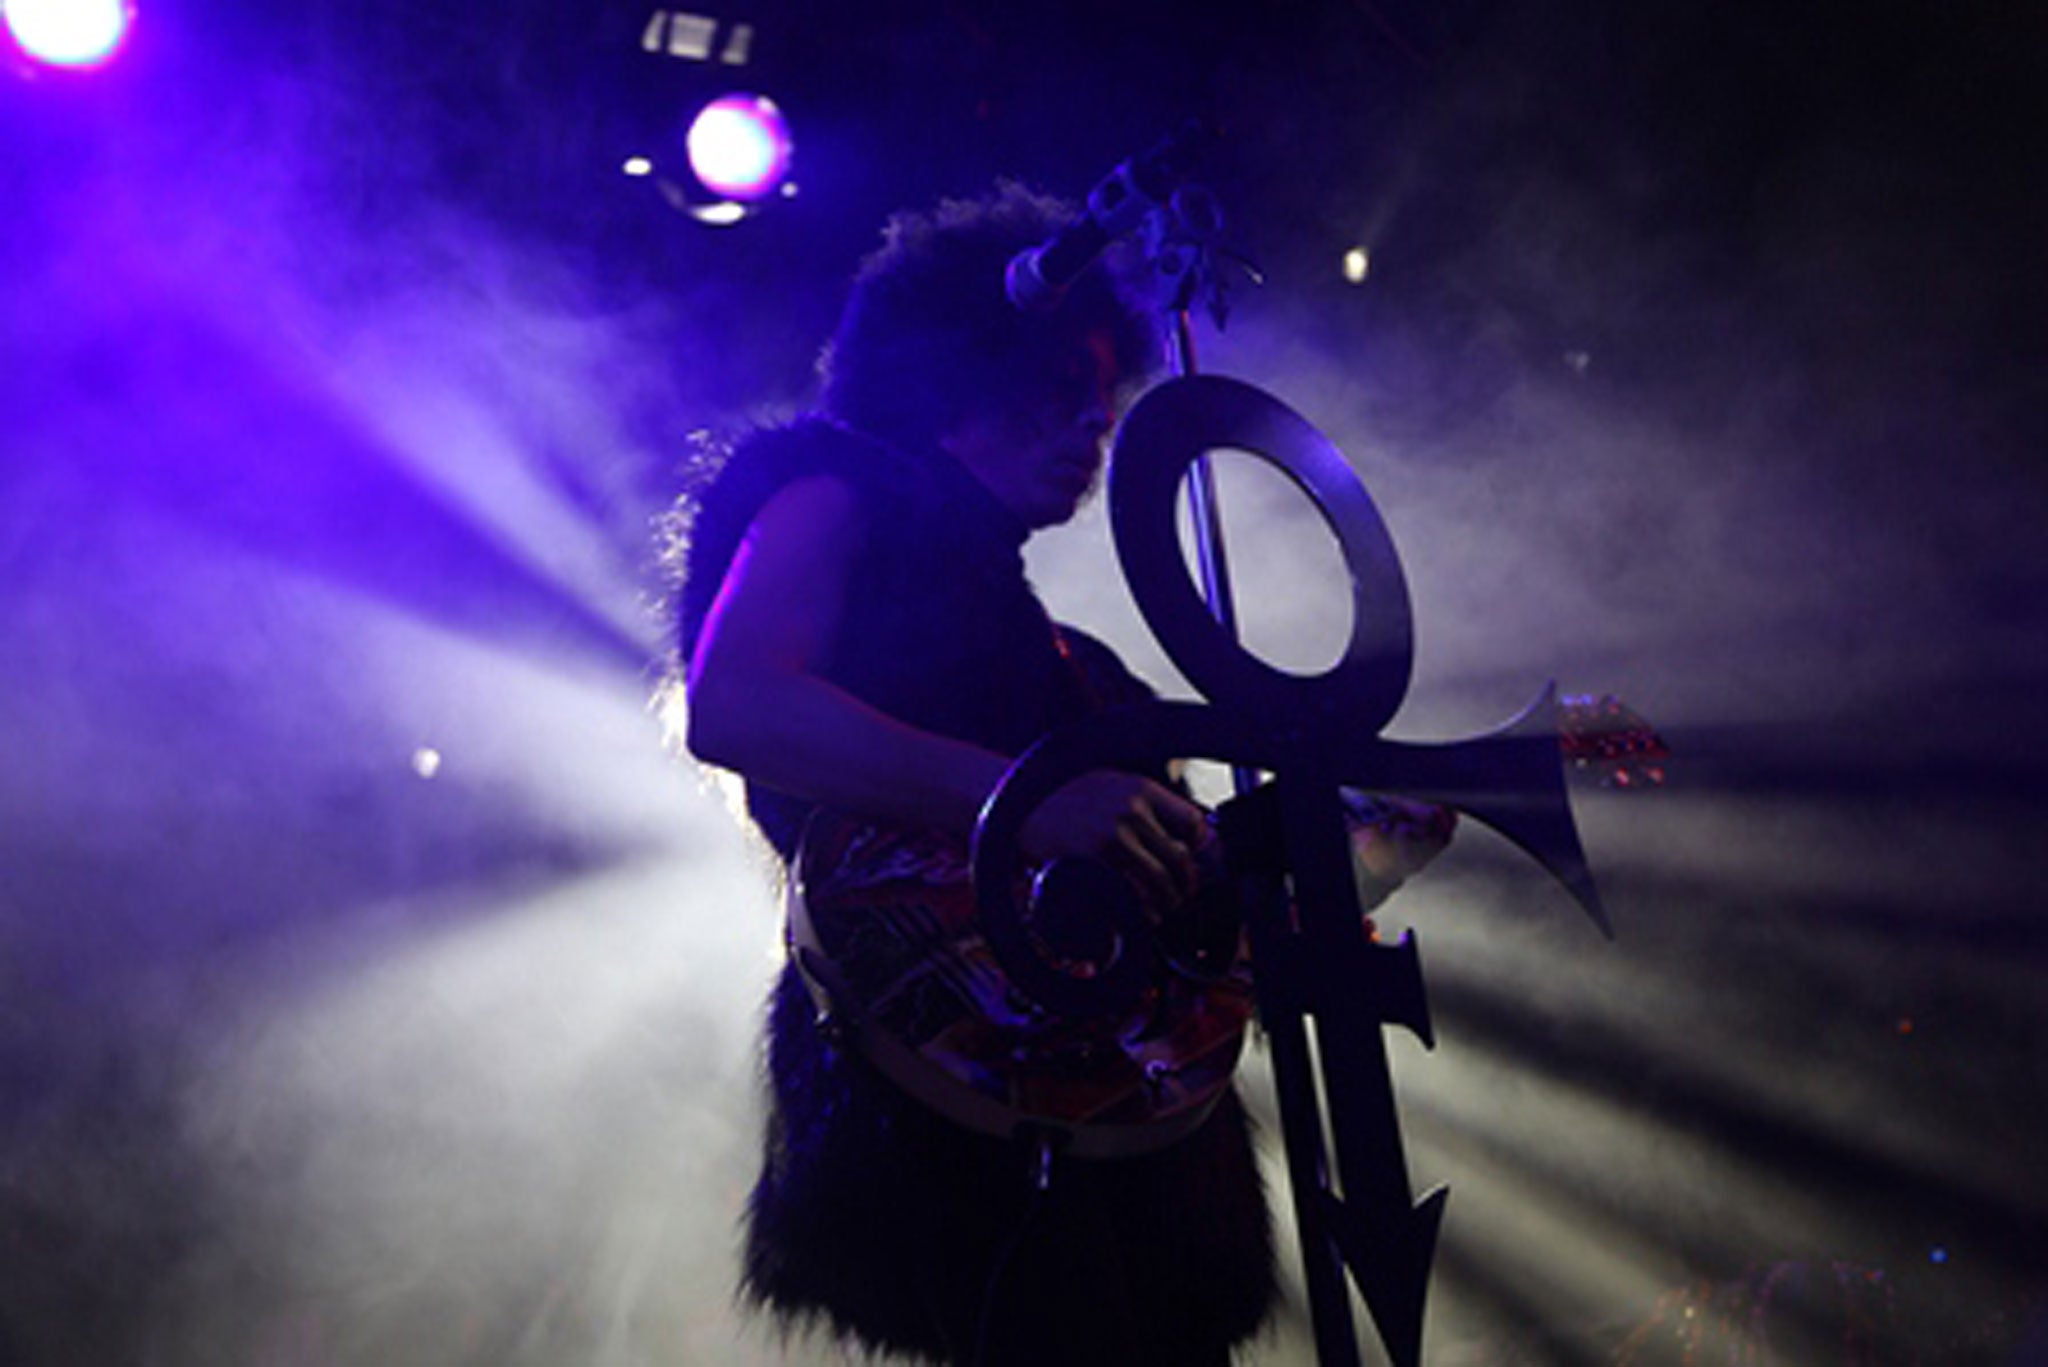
(1314, 969)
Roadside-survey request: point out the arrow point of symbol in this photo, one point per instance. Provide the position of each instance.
(1389, 1254)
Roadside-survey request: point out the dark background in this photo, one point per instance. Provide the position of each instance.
(377, 988)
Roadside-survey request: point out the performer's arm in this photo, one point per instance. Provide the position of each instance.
(758, 705)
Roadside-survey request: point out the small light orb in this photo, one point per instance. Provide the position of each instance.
(739, 147)
(638, 166)
(426, 761)
(723, 214)
(76, 33)
(1357, 265)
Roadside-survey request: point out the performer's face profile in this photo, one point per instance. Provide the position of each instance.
(1040, 448)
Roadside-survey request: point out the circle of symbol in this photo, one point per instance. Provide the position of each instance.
(1169, 429)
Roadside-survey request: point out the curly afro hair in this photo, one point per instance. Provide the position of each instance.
(929, 331)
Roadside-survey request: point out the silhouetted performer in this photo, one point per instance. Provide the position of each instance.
(859, 635)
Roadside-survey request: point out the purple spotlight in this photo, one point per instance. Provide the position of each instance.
(739, 147)
(74, 33)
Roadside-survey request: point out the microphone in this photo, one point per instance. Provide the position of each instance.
(1118, 205)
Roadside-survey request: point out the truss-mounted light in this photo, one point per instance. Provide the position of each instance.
(739, 147)
(697, 38)
(67, 33)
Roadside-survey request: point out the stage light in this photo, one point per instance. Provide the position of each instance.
(712, 213)
(1357, 265)
(73, 33)
(739, 147)
(723, 214)
(694, 38)
(637, 166)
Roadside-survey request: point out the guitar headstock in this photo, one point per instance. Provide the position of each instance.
(1603, 737)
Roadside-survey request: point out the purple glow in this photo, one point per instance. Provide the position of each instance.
(67, 32)
(739, 146)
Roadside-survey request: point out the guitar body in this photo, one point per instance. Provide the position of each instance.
(884, 926)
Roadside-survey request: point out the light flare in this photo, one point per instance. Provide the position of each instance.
(68, 33)
(739, 147)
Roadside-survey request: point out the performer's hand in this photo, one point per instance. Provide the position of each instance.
(1139, 826)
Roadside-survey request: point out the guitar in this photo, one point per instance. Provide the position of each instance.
(1606, 740)
(884, 928)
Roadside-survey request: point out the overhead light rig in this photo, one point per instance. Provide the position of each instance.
(73, 34)
(715, 151)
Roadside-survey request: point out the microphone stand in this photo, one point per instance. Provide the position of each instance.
(1287, 849)
(1293, 1062)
